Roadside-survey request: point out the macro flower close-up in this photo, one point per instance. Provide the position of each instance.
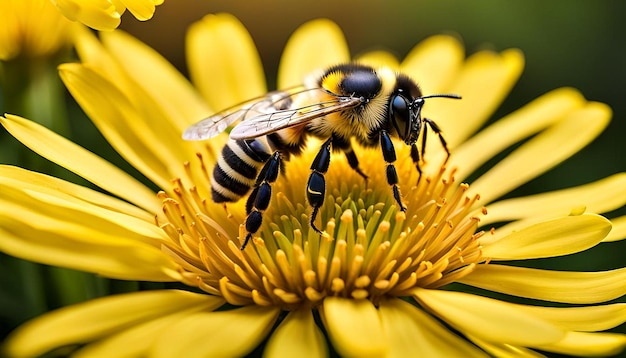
(379, 280)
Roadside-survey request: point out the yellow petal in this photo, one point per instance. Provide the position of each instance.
(434, 63)
(28, 180)
(543, 152)
(9, 32)
(229, 333)
(141, 9)
(67, 245)
(556, 286)
(144, 127)
(78, 160)
(530, 119)
(598, 197)
(297, 336)
(497, 349)
(619, 230)
(354, 327)
(157, 156)
(484, 81)
(54, 228)
(168, 89)
(378, 59)
(550, 238)
(157, 102)
(223, 61)
(32, 30)
(97, 318)
(589, 318)
(138, 340)
(97, 14)
(413, 333)
(487, 318)
(60, 206)
(163, 102)
(93, 53)
(313, 46)
(588, 344)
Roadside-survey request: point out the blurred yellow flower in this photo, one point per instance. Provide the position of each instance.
(105, 14)
(31, 28)
(371, 285)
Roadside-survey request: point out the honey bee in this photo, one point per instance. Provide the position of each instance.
(344, 102)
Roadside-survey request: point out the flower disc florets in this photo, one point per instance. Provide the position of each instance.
(369, 249)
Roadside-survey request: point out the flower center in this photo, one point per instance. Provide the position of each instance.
(369, 249)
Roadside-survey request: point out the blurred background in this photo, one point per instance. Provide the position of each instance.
(566, 43)
(578, 44)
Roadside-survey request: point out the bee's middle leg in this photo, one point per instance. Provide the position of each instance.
(347, 149)
(389, 154)
(259, 199)
(415, 157)
(316, 186)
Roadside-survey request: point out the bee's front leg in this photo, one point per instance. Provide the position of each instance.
(316, 186)
(415, 152)
(435, 128)
(389, 154)
(260, 197)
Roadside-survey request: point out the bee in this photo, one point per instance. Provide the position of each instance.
(345, 102)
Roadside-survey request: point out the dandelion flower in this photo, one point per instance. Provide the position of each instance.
(378, 281)
(105, 14)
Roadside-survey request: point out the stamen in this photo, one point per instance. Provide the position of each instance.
(369, 249)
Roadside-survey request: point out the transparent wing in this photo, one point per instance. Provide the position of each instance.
(217, 123)
(299, 113)
(272, 112)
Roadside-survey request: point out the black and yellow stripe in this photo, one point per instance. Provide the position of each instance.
(237, 169)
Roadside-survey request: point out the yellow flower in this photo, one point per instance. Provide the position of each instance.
(31, 28)
(105, 14)
(371, 285)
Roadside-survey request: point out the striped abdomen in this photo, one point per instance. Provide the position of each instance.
(237, 168)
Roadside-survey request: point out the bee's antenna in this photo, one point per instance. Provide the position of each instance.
(419, 101)
(444, 95)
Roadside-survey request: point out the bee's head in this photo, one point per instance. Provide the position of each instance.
(405, 114)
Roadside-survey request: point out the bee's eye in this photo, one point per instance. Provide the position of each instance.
(400, 107)
(399, 113)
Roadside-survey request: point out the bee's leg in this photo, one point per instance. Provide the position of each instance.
(346, 148)
(389, 154)
(260, 197)
(415, 156)
(435, 128)
(316, 186)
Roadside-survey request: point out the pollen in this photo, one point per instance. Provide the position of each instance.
(369, 249)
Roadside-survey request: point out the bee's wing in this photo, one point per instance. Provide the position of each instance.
(217, 123)
(266, 123)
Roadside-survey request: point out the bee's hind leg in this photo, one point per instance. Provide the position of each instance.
(259, 199)
(316, 186)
